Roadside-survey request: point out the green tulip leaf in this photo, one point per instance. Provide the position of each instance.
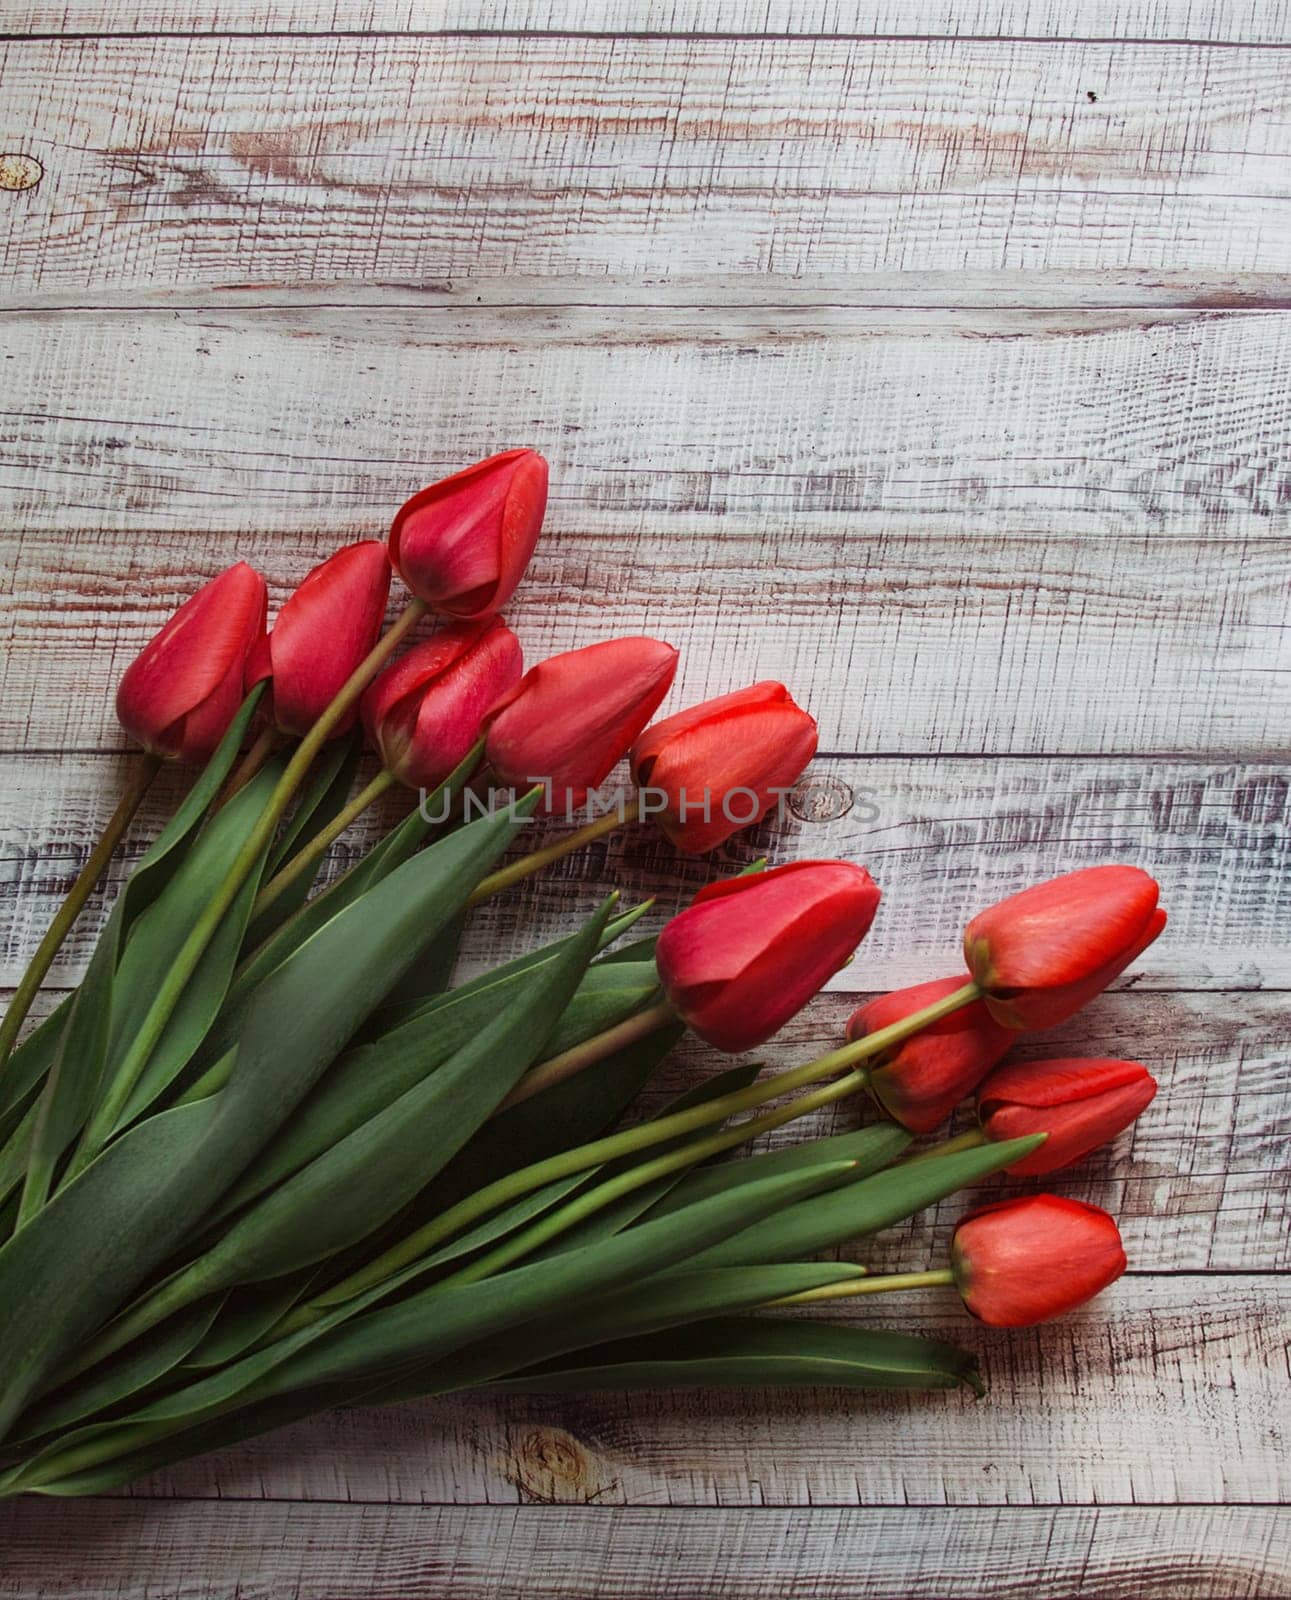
(134, 1205)
(857, 1209)
(360, 1181)
(761, 1352)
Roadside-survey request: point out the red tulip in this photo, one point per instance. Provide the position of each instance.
(1040, 955)
(1080, 1104)
(748, 953)
(573, 716)
(322, 633)
(424, 712)
(720, 766)
(1023, 1261)
(180, 693)
(462, 545)
(920, 1081)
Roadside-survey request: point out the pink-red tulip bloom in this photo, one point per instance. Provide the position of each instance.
(1024, 1261)
(748, 953)
(722, 765)
(573, 716)
(180, 693)
(424, 712)
(324, 630)
(1040, 955)
(920, 1081)
(463, 544)
(1079, 1103)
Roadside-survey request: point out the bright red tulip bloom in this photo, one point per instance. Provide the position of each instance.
(1040, 955)
(322, 633)
(720, 766)
(463, 544)
(920, 1081)
(748, 953)
(1080, 1104)
(180, 693)
(573, 716)
(1024, 1261)
(425, 711)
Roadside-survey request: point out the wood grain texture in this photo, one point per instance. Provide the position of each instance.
(1245, 21)
(1068, 1420)
(943, 838)
(969, 525)
(946, 378)
(110, 1551)
(170, 161)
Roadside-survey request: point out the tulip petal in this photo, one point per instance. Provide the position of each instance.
(204, 644)
(722, 764)
(573, 716)
(325, 629)
(1019, 1262)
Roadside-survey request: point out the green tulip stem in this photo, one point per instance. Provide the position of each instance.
(172, 985)
(567, 1163)
(262, 747)
(936, 1278)
(309, 853)
(581, 1056)
(526, 866)
(662, 1166)
(972, 1139)
(29, 986)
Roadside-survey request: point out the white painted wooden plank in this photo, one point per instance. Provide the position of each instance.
(218, 159)
(1164, 1389)
(104, 1550)
(973, 420)
(972, 528)
(949, 837)
(714, 293)
(897, 641)
(1244, 21)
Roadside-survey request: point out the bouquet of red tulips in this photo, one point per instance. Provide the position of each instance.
(268, 1159)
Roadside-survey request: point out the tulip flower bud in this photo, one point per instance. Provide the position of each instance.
(325, 629)
(1024, 1261)
(180, 693)
(573, 716)
(721, 765)
(424, 712)
(920, 1081)
(1080, 1104)
(748, 953)
(1040, 955)
(463, 544)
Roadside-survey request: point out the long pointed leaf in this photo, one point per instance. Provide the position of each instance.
(132, 1207)
(762, 1352)
(405, 1334)
(857, 1209)
(368, 1079)
(357, 1184)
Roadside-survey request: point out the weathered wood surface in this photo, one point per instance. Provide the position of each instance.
(1242, 21)
(114, 1551)
(943, 838)
(406, 157)
(796, 298)
(1124, 1371)
(824, 465)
